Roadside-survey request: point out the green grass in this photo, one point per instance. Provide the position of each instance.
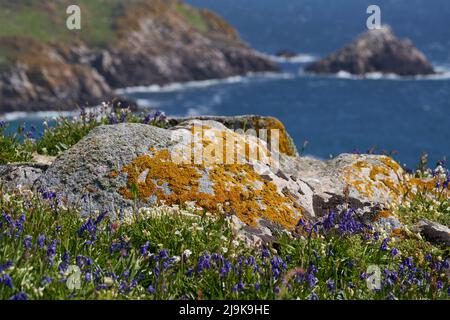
(57, 138)
(147, 259)
(49, 25)
(193, 17)
(13, 148)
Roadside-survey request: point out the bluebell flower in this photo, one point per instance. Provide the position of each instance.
(48, 195)
(330, 285)
(312, 280)
(8, 264)
(41, 241)
(394, 252)
(144, 248)
(250, 261)
(151, 290)
(7, 281)
(46, 280)
(384, 244)
(80, 261)
(163, 254)
(27, 243)
(390, 296)
(350, 263)
(203, 263)
(19, 296)
(51, 250)
(189, 272)
(313, 296)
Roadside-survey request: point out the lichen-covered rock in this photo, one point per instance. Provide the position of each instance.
(367, 183)
(122, 168)
(15, 176)
(127, 165)
(249, 122)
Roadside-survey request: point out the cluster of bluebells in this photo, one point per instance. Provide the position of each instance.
(343, 223)
(107, 260)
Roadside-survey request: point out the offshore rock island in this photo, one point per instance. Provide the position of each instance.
(376, 51)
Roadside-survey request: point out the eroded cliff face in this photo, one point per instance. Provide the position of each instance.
(151, 42)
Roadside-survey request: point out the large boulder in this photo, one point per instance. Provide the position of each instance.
(122, 168)
(376, 51)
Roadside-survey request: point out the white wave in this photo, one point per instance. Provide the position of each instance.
(14, 116)
(180, 86)
(198, 111)
(301, 58)
(442, 74)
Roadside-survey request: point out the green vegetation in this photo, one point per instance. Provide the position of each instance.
(11, 147)
(45, 22)
(50, 252)
(193, 17)
(57, 138)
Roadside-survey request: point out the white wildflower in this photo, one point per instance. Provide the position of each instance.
(187, 253)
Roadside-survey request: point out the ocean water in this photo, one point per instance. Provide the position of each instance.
(334, 114)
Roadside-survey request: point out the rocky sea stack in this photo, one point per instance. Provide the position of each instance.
(376, 51)
(121, 44)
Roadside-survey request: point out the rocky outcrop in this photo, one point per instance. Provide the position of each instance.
(125, 167)
(154, 42)
(224, 166)
(376, 51)
(248, 122)
(15, 176)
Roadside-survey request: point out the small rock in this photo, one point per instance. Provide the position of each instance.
(434, 232)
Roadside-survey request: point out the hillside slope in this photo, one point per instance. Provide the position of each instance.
(44, 66)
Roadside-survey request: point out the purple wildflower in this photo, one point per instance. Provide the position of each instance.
(41, 241)
(330, 285)
(19, 296)
(27, 243)
(384, 244)
(394, 252)
(7, 281)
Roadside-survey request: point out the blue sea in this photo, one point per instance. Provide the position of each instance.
(335, 114)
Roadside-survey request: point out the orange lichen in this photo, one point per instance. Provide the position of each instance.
(398, 232)
(237, 189)
(286, 145)
(216, 146)
(368, 178)
(113, 174)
